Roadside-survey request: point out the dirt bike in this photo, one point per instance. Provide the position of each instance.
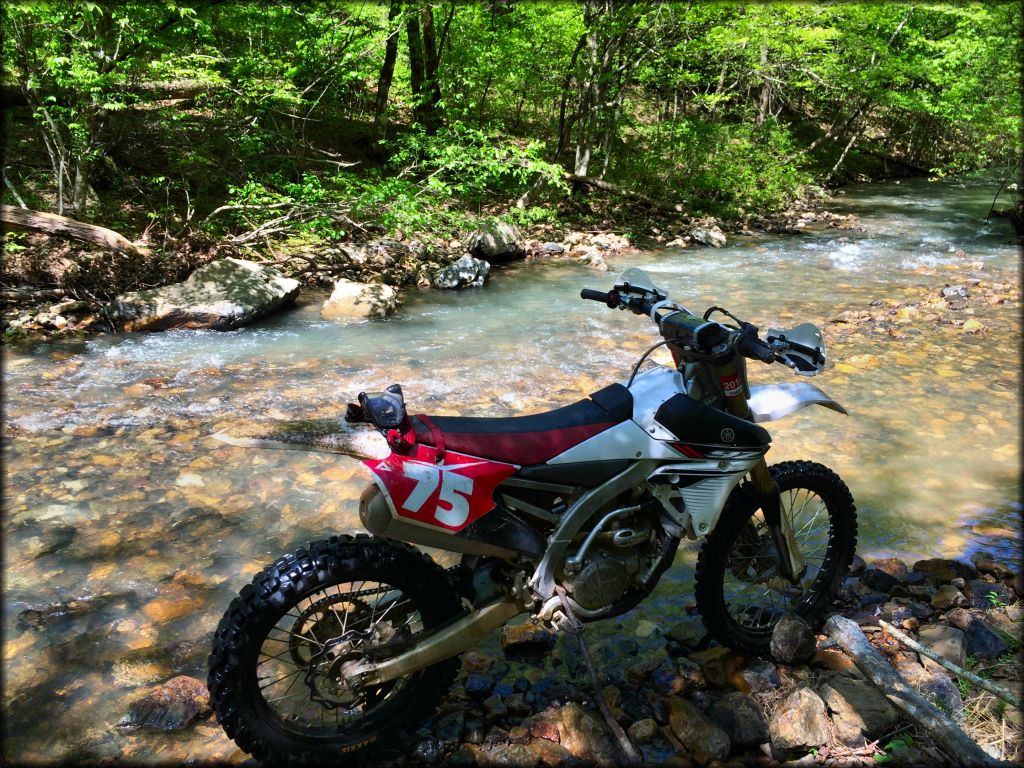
(573, 514)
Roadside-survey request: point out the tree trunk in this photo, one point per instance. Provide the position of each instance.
(61, 226)
(387, 68)
(416, 64)
(766, 93)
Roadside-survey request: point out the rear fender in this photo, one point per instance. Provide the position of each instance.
(359, 440)
(771, 402)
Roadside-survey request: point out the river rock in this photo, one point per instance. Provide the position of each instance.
(800, 723)
(496, 242)
(719, 665)
(466, 272)
(580, 731)
(988, 564)
(879, 580)
(979, 639)
(858, 710)
(642, 731)
(173, 706)
(983, 594)
(940, 689)
(221, 295)
(359, 301)
(947, 597)
(553, 248)
(704, 740)
(429, 751)
(948, 642)
(526, 639)
(793, 641)
(711, 236)
(739, 715)
(939, 571)
(760, 676)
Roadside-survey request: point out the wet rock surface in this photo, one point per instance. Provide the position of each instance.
(359, 301)
(465, 272)
(110, 438)
(170, 707)
(223, 295)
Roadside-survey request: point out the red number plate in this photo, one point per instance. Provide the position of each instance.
(449, 496)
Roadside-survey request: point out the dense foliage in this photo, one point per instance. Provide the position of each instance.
(323, 116)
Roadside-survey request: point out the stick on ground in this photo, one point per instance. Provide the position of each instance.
(970, 677)
(946, 733)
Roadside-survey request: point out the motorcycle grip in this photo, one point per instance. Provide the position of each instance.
(609, 298)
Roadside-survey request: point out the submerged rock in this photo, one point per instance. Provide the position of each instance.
(359, 301)
(221, 295)
(170, 707)
(466, 272)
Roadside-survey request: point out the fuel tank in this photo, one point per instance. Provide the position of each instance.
(694, 422)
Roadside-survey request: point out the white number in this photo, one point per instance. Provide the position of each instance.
(455, 492)
(452, 488)
(426, 477)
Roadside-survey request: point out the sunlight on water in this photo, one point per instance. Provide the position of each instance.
(116, 496)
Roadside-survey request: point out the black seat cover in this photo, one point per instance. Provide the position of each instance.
(531, 439)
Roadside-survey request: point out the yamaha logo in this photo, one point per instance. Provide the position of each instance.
(727, 435)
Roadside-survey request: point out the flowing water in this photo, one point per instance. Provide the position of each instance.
(127, 529)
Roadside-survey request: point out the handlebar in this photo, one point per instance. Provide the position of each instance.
(610, 298)
(752, 347)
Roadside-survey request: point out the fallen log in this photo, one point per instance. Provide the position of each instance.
(62, 226)
(959, 747)
(970, 677)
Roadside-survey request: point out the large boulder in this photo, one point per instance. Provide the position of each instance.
(221, 295)
(497, 242)
(711, 236)
(858, 710)
(359, 301)
(466, 272)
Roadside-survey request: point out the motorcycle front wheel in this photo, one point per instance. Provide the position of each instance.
(739, 592)
(275, 680)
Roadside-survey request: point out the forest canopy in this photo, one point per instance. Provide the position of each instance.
(418, 115)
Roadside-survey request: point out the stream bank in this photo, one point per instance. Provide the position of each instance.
(128, 530)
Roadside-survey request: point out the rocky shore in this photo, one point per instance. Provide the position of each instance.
(367, 277)
(684, 701)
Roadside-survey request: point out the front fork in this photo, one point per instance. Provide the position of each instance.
(733, 380)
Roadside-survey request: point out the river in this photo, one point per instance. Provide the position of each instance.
(127, 529)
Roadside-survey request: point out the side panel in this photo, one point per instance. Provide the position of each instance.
(449, 496)
(623, 441)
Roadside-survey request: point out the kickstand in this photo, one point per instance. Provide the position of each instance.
(573, 629)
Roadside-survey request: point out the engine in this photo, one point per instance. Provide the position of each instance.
(610, 561)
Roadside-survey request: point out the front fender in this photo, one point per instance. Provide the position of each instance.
(770, 402)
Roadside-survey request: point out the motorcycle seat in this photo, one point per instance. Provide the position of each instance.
(530, 439)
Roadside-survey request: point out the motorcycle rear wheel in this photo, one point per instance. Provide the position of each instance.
(273, 686)
(739, 593)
